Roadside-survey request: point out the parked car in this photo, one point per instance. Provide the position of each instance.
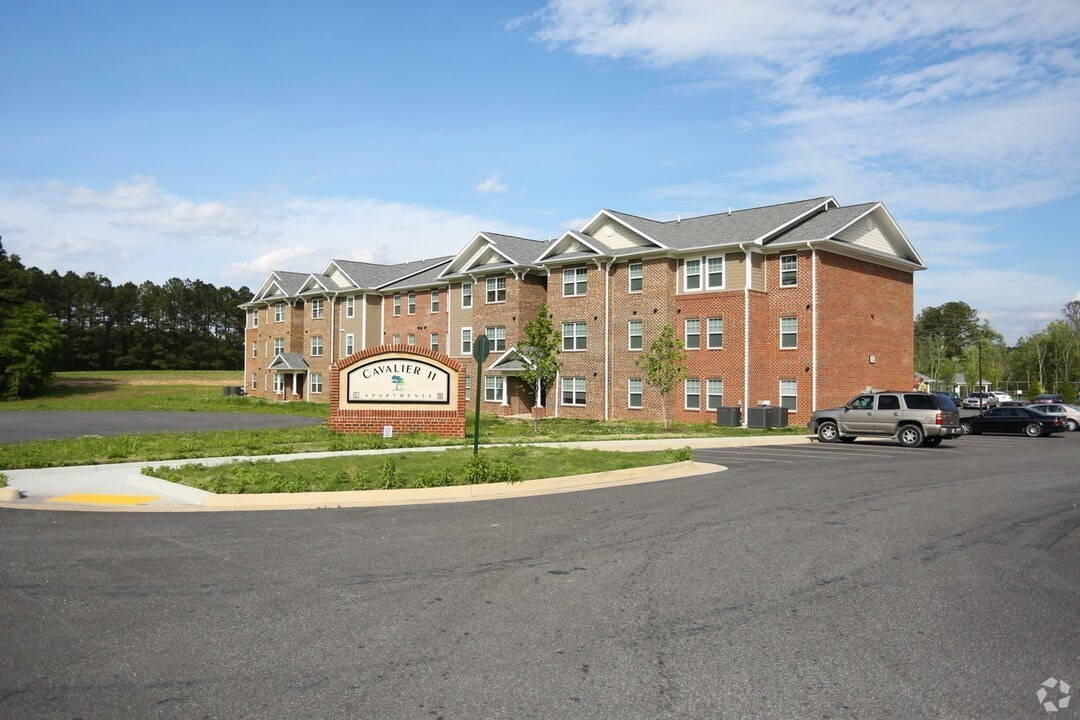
(1012, 420)
(952, 396)
(1013, 403)
(1001, 396)
(980, 400)
(913, 418)
(1047, 398)
(1069, 414)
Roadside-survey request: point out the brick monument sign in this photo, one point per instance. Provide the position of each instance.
(405, 387)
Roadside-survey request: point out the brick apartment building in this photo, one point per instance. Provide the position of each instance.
(801, 305)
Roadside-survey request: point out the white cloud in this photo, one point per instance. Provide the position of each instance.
(139, 194)
(491, 185)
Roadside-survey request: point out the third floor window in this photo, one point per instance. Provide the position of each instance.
(496, 289)
(575, 281)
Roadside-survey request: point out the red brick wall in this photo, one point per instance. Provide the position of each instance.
(422, 323)
(725, 364)
(446, 423)
(587, 363)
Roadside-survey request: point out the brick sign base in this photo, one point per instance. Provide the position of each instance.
(446, 420)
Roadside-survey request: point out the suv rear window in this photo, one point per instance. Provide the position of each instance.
(945, 403)
(918, 401)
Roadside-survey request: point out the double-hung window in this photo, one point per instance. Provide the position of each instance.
(714, 273)
(466, 341)
(574, 336)
(715, 327)
(279, 312)
(634, 330)
(714, 394)
(350, 306)
(789, 394)
(316, 346)
(575, 281)
(496, 289)
(255, 318)
(434, 301)
(692, 274)
(573, 391)
(350, 344)
(412, 303)
(255, 348)
(693, 333)
(279, 346)
(397, 305)
(497, 336)
(789, 332)
(316, 383)
(435, 342)
(466, 295)
(316, 308)
(494, 388)
(634, 394)
(789, 270)
(637, 277)
(693, 394)
(410, 339)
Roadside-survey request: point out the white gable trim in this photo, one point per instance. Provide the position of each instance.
(559, 246)
(600, 217)
(464, 261)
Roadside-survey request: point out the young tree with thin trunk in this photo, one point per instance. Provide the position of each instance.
(664, 365)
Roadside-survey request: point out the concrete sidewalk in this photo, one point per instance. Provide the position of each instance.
(123, 487)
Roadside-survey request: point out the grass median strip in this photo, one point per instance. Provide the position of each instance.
(409, 470)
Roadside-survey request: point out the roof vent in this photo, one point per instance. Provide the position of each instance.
(728, 209)
(678, 219)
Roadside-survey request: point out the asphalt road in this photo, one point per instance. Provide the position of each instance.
(821, 581)
(18, 426)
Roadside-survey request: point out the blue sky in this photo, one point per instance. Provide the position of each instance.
(220, 141)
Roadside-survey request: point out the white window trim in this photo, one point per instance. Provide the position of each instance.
(255, 318)
(780, 390)
(573, 392)
(796, 270)
(461, 347)
(500, 389)
(705, 272)
(630, 277)
(487, 291)
(410, 303)
(686, 393)
(317, 306)
(277, 307)
(435, 301)
(708, 394)
(464, 295)
(396, 304)
(640, 336)
(686, 275)
(313, 339)
(795, 333)
(350, 343)
(630, 393)
(490, 332)
(686, 333)
(574, 324)
(350, 306)
(574, 281)
(708, 334)
(316, 384)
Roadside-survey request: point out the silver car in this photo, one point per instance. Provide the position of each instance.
(1069, 414)
(979, 400)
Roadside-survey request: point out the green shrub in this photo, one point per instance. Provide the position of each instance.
(679, 454)
(3, 480)
(389, 477)
(480, 469)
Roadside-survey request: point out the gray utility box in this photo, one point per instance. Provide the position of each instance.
(767, 417)
(729, 416)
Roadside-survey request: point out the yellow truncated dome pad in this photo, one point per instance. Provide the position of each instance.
(104, 499)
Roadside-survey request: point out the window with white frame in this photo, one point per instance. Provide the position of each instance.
(714, 273)
(714, 394)
(279, 383)
(255, 318)
(254, 381)
(693, 333)
(637, 277)
(468, 387)
(496, 289)
(350, 306)
(574, 336)
(397, 305)
(789, 270)
(692, 274)
(693, 393)
(466, 341)
(434, 301)
(412, 303)
(634, 394)
(634, 331)
(255, 349)
(279, 346)
(466, 295)
(573, 391)
(316, 383)
(789, 393)
(350, 343)
(316, 308)
(789, 332)
(575, 281)
(316, 346)
(396, 339)
(410, 339)
(494, 388)
(715, 337)
(497, 337)
(279, 312)
(435, 342)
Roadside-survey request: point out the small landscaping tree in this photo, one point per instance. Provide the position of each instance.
(539, 347)
(664, 365)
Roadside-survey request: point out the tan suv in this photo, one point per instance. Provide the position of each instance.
(913, 418)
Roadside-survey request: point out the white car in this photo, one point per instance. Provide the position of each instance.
(1070, 414)
(1001, 396)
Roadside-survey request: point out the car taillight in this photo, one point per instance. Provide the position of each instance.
(1057, 422)
(939, 420)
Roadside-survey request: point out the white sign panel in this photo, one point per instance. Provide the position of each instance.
(398, 380)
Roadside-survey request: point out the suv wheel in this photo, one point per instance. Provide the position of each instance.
(1033, 430)
(910, 436)
(827, 432)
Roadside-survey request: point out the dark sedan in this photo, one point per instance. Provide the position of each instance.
(1012, 420)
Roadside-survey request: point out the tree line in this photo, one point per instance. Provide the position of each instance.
(51, 322)
(950, 339)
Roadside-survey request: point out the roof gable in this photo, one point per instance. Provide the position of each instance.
(490, 251)
(866, 229)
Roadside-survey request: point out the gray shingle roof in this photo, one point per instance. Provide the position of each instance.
(825, 224)
(289, 361)
(522, 251)
(370, 276)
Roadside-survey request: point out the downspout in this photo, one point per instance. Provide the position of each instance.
(607, 342)
(363, 321)
(333, 330)
(382, 320)
(746, 335)
(813, 327)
